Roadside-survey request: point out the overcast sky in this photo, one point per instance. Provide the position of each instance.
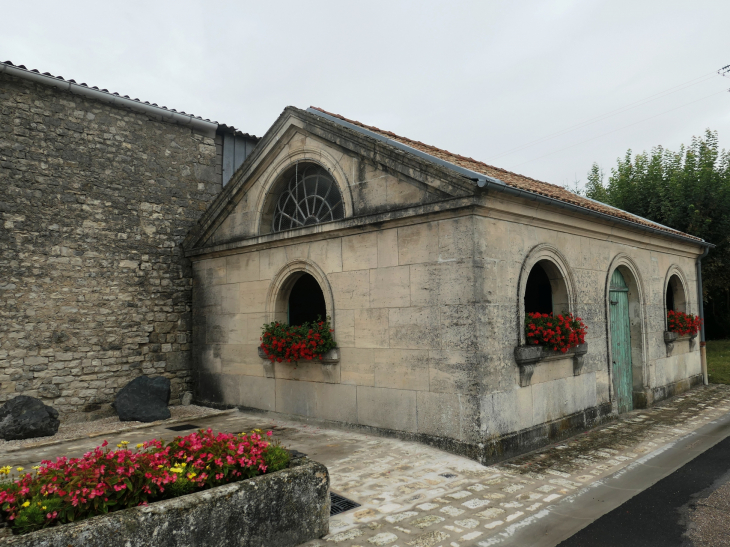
(477, 78)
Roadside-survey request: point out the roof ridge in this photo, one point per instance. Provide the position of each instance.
(515, 180)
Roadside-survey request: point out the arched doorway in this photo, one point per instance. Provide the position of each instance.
(621, 342)
(306, 301)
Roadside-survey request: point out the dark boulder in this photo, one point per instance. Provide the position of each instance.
(144, 399)
(26, 418)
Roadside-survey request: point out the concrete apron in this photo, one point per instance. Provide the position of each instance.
(559, 522)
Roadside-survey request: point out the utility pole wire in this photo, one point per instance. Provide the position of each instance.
(591, 121)
(619, 129)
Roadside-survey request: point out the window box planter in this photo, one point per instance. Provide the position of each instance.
(671, 337)
(529, 357)
(285, 508)
(332, 357)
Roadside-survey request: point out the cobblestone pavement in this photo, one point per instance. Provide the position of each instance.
(417, 496)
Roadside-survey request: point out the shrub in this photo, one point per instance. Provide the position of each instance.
(282, 342)
(557, 333)
(683, 323)
(104, 480)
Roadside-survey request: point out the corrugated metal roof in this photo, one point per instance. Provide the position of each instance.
(225, 128)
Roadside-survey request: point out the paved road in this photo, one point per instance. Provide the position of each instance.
(658, 516)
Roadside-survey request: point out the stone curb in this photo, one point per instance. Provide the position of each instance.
(112, 431)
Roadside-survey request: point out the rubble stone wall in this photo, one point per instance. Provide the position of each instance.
(94, 289)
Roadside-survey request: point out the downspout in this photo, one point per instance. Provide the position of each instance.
(701, 301)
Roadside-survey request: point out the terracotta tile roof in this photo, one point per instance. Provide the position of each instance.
(513, 179)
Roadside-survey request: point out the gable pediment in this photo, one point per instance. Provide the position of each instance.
(371, 176)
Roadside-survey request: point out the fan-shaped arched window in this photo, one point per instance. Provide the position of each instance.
(305, 194)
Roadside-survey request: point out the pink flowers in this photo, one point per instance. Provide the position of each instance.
(103, 480)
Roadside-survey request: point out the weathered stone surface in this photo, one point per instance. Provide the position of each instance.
(94, 202)
(27, 417)
(284, 509)
(144, 400)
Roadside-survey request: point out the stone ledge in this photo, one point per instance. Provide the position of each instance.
(332, 357)
(529, 357)
(286, 508)
(671, 337)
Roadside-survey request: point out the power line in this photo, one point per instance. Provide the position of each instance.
(591, 121)
(620, 128)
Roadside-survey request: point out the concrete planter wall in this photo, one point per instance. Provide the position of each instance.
(529, 357)
(285, 509)
(332, 357)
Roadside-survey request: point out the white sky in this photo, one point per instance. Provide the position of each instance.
(476, 78)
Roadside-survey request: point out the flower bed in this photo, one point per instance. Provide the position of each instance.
(559, 333)
(105, 480)
(683, 324)
(282, 342)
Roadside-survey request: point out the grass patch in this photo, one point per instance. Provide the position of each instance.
(718, 361)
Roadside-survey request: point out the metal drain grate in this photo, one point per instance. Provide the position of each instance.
(340, 505)
(448, 475)
(183, 427)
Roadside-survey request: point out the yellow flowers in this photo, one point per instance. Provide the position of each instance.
(139, 445)
(19, 468)
(44, 507)
(26, 504)
(191, 476)
(176, 469)
(36, 467)
(5, 470)
(122, 444)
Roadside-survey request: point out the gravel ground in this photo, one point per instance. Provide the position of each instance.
(709, 524)
(83, 429)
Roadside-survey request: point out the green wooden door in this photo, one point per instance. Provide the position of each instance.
(621, 342)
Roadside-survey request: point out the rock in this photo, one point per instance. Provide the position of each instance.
(187, 398)
(144, 399)
(26, 418)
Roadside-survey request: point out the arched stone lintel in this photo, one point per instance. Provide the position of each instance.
(675, 270)
(311, 155)
(560, 274)
(282, 283)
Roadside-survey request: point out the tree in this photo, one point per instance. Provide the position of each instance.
(688, 190)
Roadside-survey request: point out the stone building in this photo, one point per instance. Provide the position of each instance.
(427, 262)
(97, 192)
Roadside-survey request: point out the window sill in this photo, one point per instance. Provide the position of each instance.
(529, 357)
(332, 357)
(671, 337)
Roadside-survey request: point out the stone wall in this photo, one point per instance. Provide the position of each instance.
(427, 304)
(94, 289)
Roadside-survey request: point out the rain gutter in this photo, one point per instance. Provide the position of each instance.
(701, 309)
(484, 181)
(198, 124)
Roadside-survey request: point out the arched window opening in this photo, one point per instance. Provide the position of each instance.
(306, 301)
(538, 291)
(304, 195)
(675, 297)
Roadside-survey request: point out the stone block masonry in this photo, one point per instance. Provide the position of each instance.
(94, 289)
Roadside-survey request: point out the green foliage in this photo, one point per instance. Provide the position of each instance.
(34, 515)
(688, 190)
(718, 361)
(276, 457)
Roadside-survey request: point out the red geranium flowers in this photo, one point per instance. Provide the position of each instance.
(683, 323)
(559, 333)
(282, 342)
